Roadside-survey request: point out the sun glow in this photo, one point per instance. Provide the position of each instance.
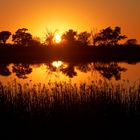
(57, 38)
(57, 64)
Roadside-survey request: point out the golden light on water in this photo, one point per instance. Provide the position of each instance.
(57, 64)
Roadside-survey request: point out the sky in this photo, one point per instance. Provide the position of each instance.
(80, 15)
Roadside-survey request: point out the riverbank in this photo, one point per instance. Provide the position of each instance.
(73, 53)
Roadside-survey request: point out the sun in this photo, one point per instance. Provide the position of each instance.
(57, 38)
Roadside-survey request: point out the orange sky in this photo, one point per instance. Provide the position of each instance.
(80, 15)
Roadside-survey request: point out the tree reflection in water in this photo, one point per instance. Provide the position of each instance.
(85, 67)
(21, 70)
(4, 70)
(109, 70)
(106, 70)
(69, 71)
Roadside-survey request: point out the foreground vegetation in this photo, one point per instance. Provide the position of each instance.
(99, 98)
(100, 105)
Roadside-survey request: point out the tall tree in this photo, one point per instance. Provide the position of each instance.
(109, 36)
(83, 37)
(49, 37)
(4, 36)
(21, 37)
(70, 36)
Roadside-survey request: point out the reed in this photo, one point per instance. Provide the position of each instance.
(51, 101)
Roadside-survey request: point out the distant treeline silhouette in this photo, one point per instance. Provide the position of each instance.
(107, 37)
(102, 45)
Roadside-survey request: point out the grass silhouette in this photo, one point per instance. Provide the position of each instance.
(52, 105)
(62, 98)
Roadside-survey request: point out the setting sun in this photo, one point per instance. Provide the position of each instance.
(57, 38)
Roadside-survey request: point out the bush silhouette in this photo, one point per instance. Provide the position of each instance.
(21, 37)
(4, 36)
(108, 37)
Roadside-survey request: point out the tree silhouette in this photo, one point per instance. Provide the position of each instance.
(83, 37)
(131, 42)
(69, 36)
(49, 37)
(22, 70)
(35, 42)
(109, 36)
(21, 37)
(4, 36)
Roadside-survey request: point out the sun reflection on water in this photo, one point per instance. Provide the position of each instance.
(57, 64)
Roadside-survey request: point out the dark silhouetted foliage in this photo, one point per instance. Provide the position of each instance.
(4, 36)
(74, 47)
(83, 37)
(35, 42)
(108, 37)
(21, 37)
(131, 42)
(70, 36)
(49, 38)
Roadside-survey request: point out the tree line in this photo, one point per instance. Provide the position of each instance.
(105, 37)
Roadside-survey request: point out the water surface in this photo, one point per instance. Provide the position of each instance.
(67, 71)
